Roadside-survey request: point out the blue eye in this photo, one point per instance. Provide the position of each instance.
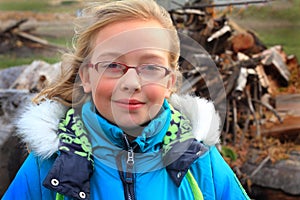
(151, 68)
(113, 66)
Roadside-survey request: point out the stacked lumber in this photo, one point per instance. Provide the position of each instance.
(261, 91)
(14, 36)
(251, 73)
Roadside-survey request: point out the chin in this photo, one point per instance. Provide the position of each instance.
(131, 125)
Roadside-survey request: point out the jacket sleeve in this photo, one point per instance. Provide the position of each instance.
(216, 179)
(27, 183)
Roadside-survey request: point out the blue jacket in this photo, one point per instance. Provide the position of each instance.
(90, 159)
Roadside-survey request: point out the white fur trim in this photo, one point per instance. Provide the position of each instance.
(37, 126)
(203, 116)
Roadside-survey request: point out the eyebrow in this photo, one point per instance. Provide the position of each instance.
(109, 55)
(114, 55)
(152, 55)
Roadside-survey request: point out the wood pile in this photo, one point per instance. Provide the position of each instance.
(261, 86)
(14, 36)
(252, 74)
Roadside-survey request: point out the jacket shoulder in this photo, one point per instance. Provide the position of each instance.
(37, 126)
(205, 120)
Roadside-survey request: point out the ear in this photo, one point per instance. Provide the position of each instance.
(85, 79)
(170, 85)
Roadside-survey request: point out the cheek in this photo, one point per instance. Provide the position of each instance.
(103, 88)
(155, 94)
(102, 93)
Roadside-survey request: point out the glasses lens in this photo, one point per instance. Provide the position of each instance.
(110, 69)
(152, 72)
(148, 72)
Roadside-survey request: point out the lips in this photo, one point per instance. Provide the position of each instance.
(130, 104)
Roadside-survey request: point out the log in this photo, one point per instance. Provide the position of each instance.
(288, 103)
(13, 26)
(288, 130)
(32, 38)
(274, 57)
(9, 75)
(36, 76)
(12, 33)
(12, 153)
(264, 193)
(283, 175)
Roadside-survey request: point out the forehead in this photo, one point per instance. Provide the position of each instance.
(134, 57)
(120, 38)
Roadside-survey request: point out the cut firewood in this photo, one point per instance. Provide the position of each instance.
(13, 26)
(32, 38)
(13, 37)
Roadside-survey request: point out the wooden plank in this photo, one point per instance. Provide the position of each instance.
(265, 193)
(288, 103)
(281, 177)
(289, 129)
(32, 38)
(13, 26)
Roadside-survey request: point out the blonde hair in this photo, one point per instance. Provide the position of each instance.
(68, 89)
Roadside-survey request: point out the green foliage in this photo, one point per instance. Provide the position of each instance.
(24, 5)
(10, 60)
(229, 153)
(289, 38)
(287, 10)
(38, 6)
(275, 23)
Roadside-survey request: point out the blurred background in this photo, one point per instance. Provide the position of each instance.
(254, 44)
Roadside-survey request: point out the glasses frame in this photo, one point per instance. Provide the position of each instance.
(127, 67)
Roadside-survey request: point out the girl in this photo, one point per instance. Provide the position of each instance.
(110, 127)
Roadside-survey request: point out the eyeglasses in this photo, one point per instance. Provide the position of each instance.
(149, 72)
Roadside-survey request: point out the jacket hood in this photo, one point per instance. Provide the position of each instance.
(38, 124)
(206, 122)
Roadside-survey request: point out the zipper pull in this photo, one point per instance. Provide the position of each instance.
(130, 154)
(129, 165)
(130, 157)
(128, 181)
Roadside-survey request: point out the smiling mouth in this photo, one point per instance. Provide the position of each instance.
(129, 104)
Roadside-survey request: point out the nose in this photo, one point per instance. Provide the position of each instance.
(130, 81)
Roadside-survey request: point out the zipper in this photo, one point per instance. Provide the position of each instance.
(127, 176)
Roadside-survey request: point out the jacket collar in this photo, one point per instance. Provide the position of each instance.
(38, 127)
(104, 133)
(180, 150)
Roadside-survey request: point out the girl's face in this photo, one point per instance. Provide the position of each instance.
(129, 100)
